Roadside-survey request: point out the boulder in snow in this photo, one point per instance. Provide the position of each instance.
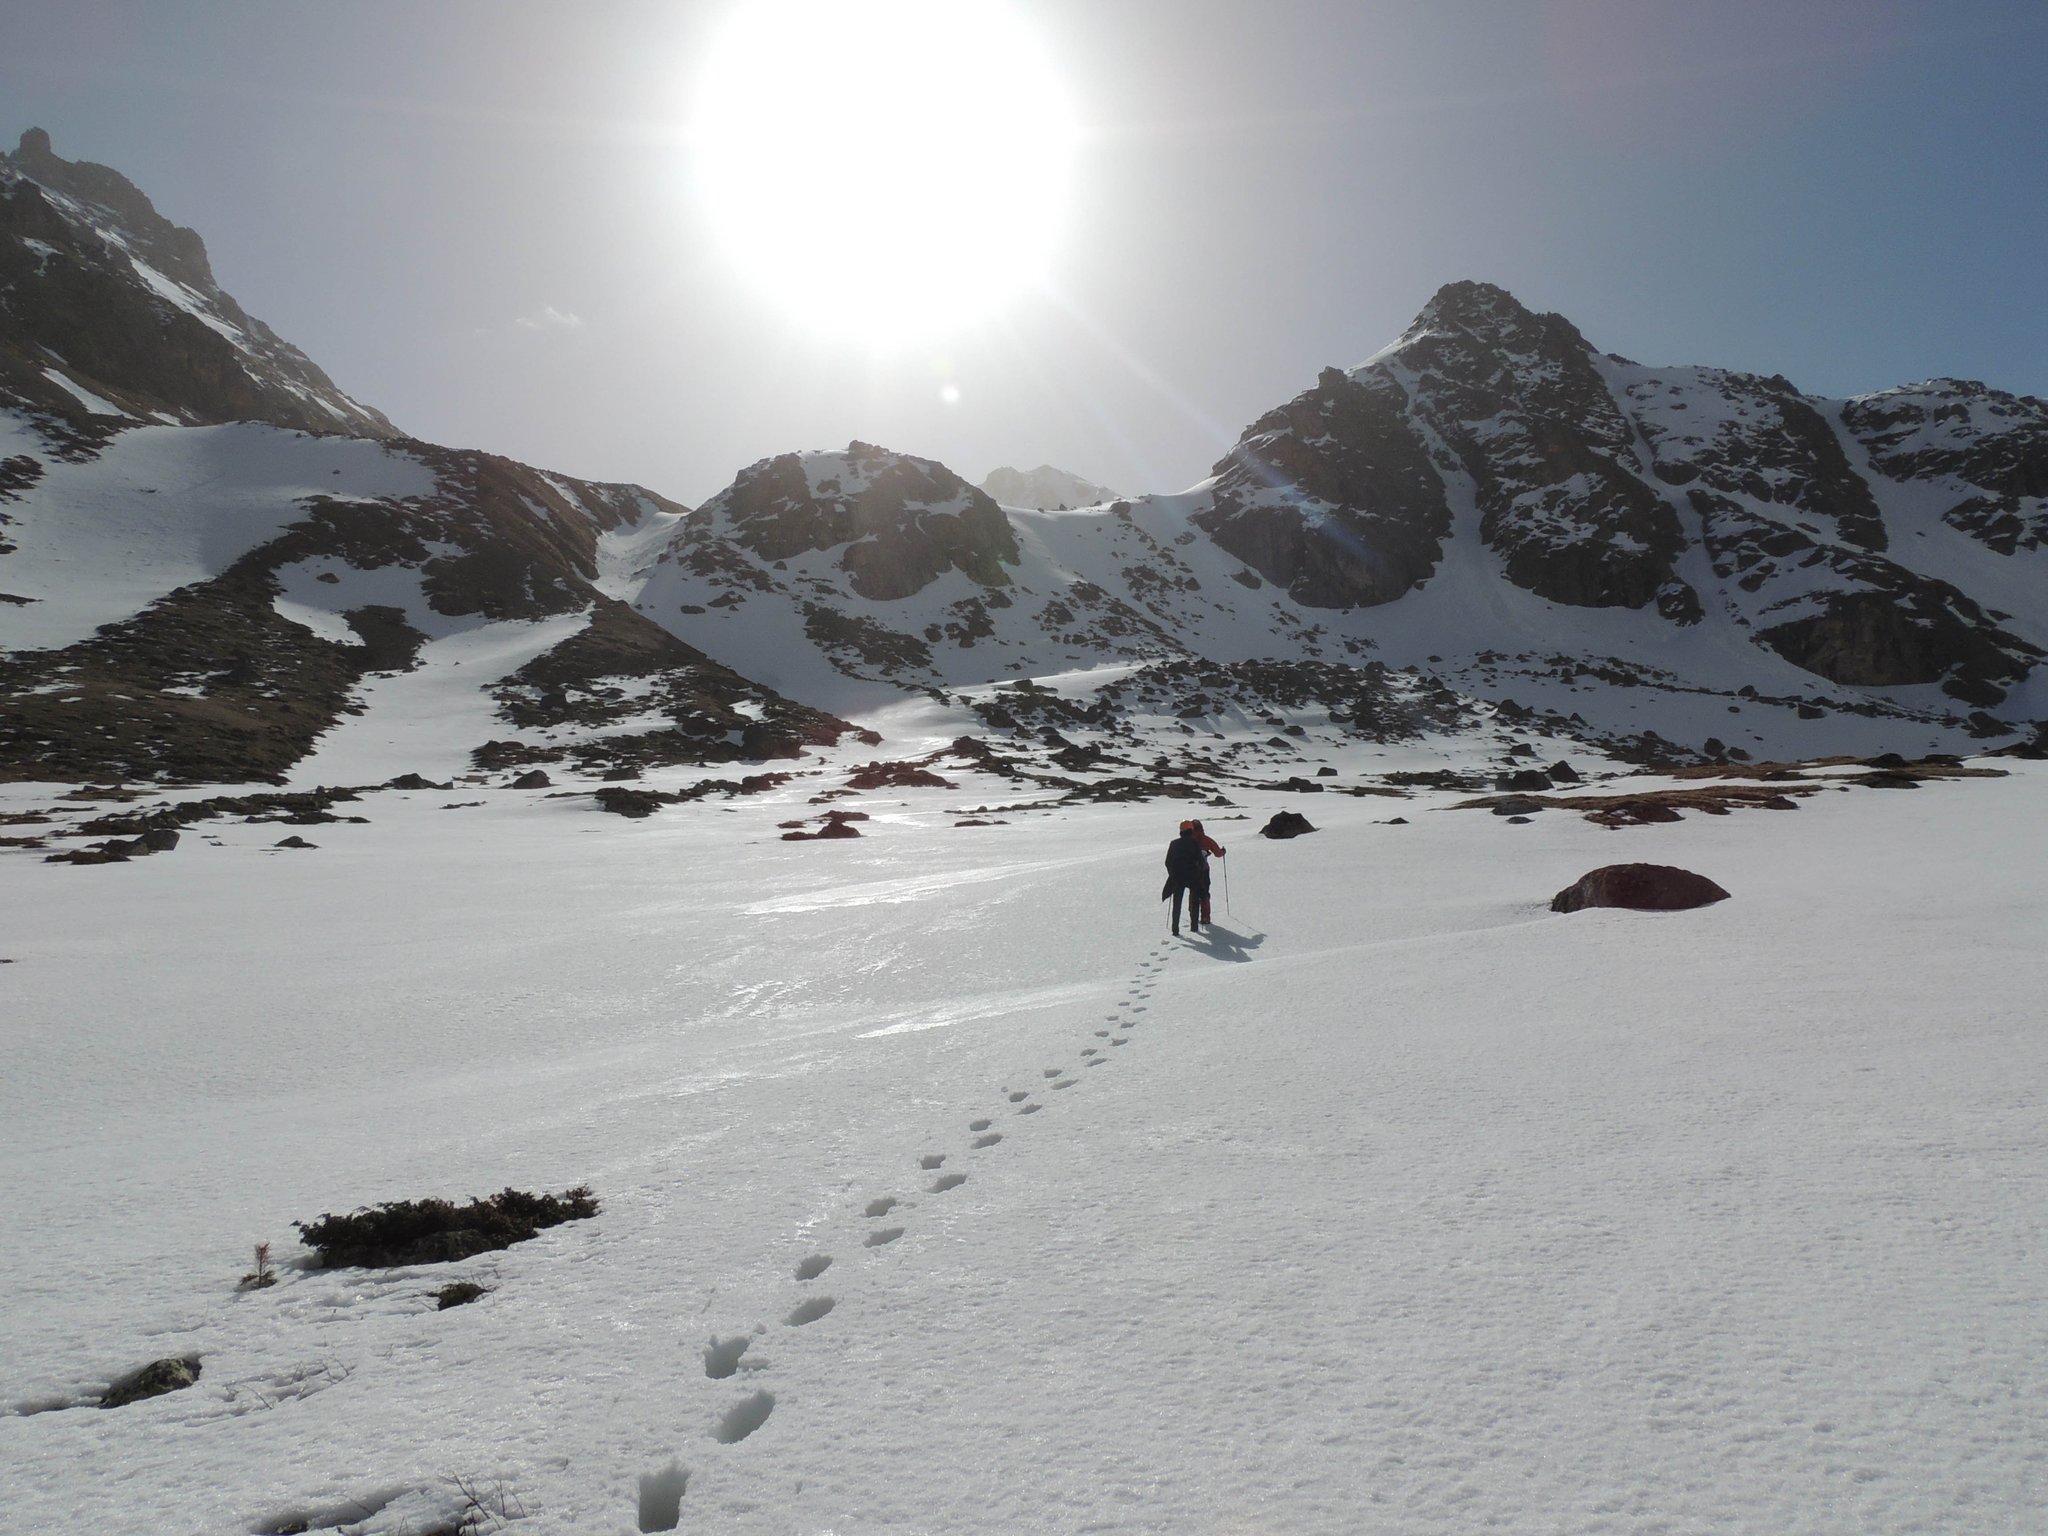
(153, 1380)
(1286, 824)
(1639, 887)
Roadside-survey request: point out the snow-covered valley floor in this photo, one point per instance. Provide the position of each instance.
(1395, 1204)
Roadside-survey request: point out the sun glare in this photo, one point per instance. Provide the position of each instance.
(888, 170)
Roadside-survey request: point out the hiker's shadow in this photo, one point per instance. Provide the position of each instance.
(1222, 944)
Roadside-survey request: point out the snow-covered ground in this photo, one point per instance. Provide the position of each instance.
(1394, 1204)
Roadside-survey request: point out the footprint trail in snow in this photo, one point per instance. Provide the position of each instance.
(662, 1492)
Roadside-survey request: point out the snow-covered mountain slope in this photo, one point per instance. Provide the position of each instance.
(106, 303)
(1739, 521)
(1488, 526)
(212, 602)
(1333, 536)
(1044, 489)
(1394, 1202)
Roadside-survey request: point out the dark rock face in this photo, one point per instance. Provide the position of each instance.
(1988, 450)
(212, 684)
(623, 667)
(1873, 623)
(1742, 435)
(153, 1380)
(1333, 497)
(81, 292)
(903, 521)
(1285, 824)
(1518, 399)
(1640, 888)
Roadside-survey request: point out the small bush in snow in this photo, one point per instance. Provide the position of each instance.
(435, 1231)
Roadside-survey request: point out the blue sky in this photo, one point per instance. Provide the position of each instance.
(479, 217)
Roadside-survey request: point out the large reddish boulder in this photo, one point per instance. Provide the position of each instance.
(1640, 887)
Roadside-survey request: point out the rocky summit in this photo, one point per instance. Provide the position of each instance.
(214, 566)
(105, 303)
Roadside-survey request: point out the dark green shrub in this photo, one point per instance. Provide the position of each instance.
(435, 1231)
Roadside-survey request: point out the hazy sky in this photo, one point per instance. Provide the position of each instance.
(481, 217)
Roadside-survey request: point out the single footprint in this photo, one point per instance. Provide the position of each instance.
(946, 1181)
(744, 1417)
(977, 1125)
(1030, 1109)
(881, 1207)
(1121, 1040)
(722, 1356)
(1066, 1082)
(1139, 1009)
(809, 1311)
(1091, 1051)
(1102, 1034)
(1019, 1097)
(928, 1162)
(884, 1235)
(987, 1141)
(661, 1497)
(1100, 1061)
(814, 1266)
(1054, 1071)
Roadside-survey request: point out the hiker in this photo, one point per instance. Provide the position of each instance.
(1187, 872)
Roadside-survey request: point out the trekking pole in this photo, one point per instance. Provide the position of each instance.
(1226, 889)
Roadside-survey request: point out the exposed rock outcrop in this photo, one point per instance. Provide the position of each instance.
(91, 273)
(1333, 496)
(1517, 398)
(898, 522)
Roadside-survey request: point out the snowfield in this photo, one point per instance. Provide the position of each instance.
(1394, 1204)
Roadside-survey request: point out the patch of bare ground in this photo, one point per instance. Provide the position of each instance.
(1747, 786)
(623, 668)
(1654, 805)
(1939, 767)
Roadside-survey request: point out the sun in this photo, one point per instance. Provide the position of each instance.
(889, 169)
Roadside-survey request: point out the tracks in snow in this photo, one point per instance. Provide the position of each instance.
(662, 1491)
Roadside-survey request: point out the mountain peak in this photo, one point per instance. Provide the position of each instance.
(171, 248)
(124, 302)
(1045, 487)
(1491, 315)
(1471, 305)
